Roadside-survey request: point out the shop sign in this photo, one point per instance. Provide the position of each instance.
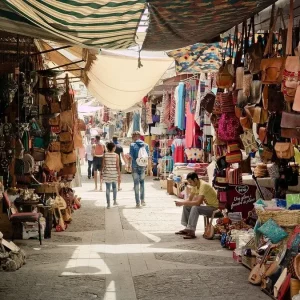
(241, 198)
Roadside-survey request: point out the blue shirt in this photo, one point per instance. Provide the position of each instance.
(134, 151)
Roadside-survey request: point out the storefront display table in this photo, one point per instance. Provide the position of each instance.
(267, 182)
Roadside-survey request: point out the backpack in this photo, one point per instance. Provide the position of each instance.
(143, 157)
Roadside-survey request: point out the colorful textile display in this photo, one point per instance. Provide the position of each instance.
(198, 58)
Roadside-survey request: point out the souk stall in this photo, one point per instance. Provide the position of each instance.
(40, 133)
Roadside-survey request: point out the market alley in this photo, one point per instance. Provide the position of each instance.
(125, 254)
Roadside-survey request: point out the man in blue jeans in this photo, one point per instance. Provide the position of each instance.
(138, 172)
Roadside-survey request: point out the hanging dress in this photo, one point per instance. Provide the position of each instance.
(181, 106)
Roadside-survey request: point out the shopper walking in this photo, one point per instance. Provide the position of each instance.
(98, 151)
(119, 150)
(139, 155)
(89, 158)
(111, 172)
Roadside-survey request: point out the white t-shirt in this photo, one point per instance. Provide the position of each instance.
(88, 150)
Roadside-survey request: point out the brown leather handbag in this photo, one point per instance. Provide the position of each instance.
(69, 169)
(290, 125)
(66, 120)
(224, 76)
(66, 136)
(68, 158)
(54, 147)
(284, 150)
(38, 154)
(272, 68)
(67, 147)
(53, 161)
(276, 101)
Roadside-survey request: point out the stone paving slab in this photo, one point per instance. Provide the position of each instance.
(127, 254)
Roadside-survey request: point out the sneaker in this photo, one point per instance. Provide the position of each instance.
(116, 203)
(138, 206)
(143, 203)
(108, 206)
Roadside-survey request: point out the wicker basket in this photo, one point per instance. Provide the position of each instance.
(284, 218)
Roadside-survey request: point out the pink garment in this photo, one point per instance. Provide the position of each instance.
(190, 127)
(179, 154)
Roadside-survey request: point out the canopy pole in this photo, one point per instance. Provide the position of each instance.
(65, 65)
(50, 50)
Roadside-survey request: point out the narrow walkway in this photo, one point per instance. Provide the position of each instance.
(126, 254)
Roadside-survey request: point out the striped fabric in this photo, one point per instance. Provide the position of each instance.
(98, 23)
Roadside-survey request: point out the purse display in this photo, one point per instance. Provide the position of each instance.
(284, 150)
(224, 76)
(290, 125)
(68, 158)
(66, 147)
(53, 161)
(229, 128)
(249, 141)
(65, 137)
(234, 157)
(276, 101)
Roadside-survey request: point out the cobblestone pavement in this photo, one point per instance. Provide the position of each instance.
(126, 254)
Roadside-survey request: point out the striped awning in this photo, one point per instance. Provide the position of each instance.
(97, 23)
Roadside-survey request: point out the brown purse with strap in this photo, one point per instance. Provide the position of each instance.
(272, 68)
(68, 158)
(284, 150)
(66, 136)
(66, 147)
(53, 161)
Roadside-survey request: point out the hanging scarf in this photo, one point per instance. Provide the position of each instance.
(172, 110)
(191, 94)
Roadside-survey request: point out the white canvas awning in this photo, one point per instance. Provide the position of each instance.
(116, 81)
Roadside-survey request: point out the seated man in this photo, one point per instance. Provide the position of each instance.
(202, 201)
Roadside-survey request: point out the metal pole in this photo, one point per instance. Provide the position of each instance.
(65, 65)
(50, 50)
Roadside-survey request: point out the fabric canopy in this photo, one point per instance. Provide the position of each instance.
(175, 24)
(198, 58)
(97, 23)
(116, 81)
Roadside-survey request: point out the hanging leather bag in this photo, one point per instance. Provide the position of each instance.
(254, 53)
(53, 161)
(66, 120)
(208, 102)
(68, 158)
(276, 101)
(272, 68)
(65, 137)
(225, 77)
(67, 147)
(290, 125)
(291, 74)
(284, 150)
